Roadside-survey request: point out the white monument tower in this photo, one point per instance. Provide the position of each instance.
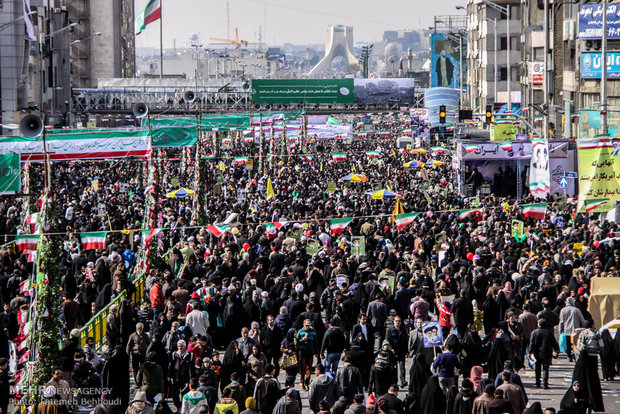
(338, 42)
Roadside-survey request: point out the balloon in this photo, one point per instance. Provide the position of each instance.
(470, 256)
(235, 231)
(596, 243)
(280, 163)
(246, 246)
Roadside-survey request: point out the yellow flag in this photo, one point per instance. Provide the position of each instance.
(270, 192)
(398, 209)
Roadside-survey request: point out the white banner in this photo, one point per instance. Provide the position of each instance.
(540, 184)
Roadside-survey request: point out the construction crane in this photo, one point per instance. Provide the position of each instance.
(238, 43)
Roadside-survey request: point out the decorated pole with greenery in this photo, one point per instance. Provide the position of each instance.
(48, 324)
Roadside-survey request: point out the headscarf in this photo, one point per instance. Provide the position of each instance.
(507, 289)
(289, 340)
(475, 375)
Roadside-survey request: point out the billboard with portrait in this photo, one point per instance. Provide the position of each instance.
(446, 60)
(397, 91)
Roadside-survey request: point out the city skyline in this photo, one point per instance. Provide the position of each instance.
(280, 20)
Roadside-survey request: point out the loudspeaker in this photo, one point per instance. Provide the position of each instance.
(257, 107)
(268, 107)
(189, 96)
(140, 110)
(31, 126)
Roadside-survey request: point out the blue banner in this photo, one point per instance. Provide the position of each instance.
(445, 60)
(591, 65)
(590, 24)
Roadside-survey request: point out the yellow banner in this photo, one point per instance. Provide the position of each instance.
(503, 132)
(599, 173)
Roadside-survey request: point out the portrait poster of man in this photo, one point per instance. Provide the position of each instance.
(540, 180)
(445, 64)
(432, 334)
(358, 246)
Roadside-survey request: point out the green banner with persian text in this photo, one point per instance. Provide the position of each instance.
(307, 91)
(599, 173)
(174, 136)
(10, 181)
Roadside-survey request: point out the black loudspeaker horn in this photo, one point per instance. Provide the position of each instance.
(31, 126)
(189, 96)
(140, 110)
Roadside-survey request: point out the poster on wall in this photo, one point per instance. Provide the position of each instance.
(445, 60)
(539, 169)
(599, 172)
(590, 124)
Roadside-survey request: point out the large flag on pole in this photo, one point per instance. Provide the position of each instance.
(150, 13)
(30, 33)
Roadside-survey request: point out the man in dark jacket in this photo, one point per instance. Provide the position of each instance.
(377, 315)
(323, 388)
(136, 348)
(358, 406)
(463, 312)
(333, 345)
(391, 400)
(349, 379)
(150, 377)
(542, 346)
(270, 338)
(398, 338)
(267, 391)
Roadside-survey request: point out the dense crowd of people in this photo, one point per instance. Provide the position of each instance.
(246, 321)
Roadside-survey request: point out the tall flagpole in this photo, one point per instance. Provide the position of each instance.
(161, 39)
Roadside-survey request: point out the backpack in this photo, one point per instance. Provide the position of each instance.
(592, 344)
(382, 360)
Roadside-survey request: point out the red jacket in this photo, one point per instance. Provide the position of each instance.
(157, 297)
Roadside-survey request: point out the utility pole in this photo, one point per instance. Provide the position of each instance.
(604, 126)
(546, 69)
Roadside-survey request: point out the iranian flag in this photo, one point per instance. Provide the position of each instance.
(362, 135)
(373, 154)
(470, 148)
(150, 13)
(226, 141)
(248, 139)
(148, 235)
(32, 218)
(27, 242)
(468, 213)
(210, 156)
(360, 124)
(538, 119)
(271, 229)
(241, 160)
(339, 156)
(437, 150)
(407, 121)
(574, 116)
(534, 210)
(407, 131)
(375, 122)
(403, 220)
(93, 240)
(535, 237)
(592, 204)
(384, 133)
(507, 146)
(217, 230)
(338, 225)
(306, 157)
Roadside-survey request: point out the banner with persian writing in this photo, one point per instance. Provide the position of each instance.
(599, 173)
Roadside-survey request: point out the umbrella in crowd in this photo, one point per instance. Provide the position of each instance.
(181, 193)
(355, 178)
(381, 194)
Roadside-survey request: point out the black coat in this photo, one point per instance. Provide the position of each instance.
(115, 376)
(463, 311)
(349, 379)
(270, 340)
(542, 344)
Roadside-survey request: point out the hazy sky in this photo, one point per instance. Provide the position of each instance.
(293, 21)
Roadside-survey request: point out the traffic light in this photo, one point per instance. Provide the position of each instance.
(442, 114)
(489, 114)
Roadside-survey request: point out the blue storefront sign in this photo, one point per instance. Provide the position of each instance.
(591, 65)
(590, 25)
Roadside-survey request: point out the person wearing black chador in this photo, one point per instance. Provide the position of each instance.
(115, 377)
(432, 399)
(574, 401)
(419, 373)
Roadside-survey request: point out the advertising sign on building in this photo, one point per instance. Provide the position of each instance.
(535, 73)
(590, 25)
(591, 65)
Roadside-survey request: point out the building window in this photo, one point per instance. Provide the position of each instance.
(591, 100)
(502, 73)
(502, 43)
(515, 43)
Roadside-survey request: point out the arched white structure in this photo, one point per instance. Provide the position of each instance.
(338, 42)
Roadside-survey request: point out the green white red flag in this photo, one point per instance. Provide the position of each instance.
(373, 154)
(150, 13)
(27, 242)
(339, 156)
(592, 204)
(217, 230)
(403, 220)
(534, 210)
(467, 213)
(93, 240)
(337, 226)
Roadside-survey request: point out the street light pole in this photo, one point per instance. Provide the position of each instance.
(604, 125)
(546, 69)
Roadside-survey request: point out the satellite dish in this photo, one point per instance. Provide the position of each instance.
(140, 110)
(31, 126)
(189, 96)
